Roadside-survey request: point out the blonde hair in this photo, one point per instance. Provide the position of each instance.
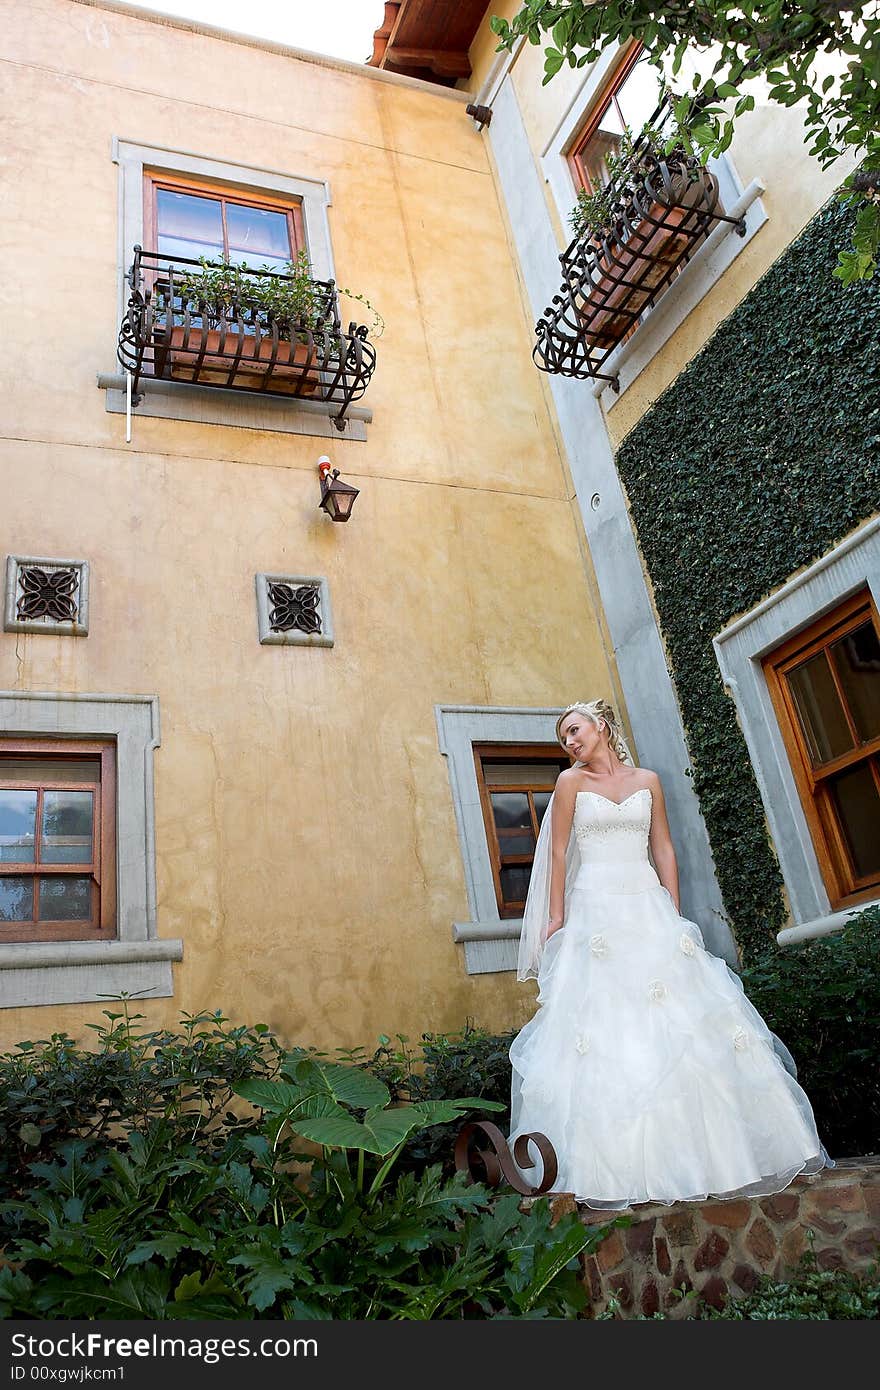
(596, 710)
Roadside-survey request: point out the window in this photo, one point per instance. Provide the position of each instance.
(627, 101)
(515, 786)
(57, 840)
(194, 220)
(671, 266)
(825, 686)
(54, 748)
(503, 763)
(170, 197)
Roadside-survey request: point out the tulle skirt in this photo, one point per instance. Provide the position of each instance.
(653, 1076)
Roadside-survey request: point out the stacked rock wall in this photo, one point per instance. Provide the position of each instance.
(720, 1249)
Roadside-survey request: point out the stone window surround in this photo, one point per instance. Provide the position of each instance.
(739, 647)
(491, 943)
(76, 627)
(73, 972)
(293, 637)
(704, 268)
(178, 401)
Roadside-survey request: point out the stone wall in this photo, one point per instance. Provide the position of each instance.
(721, 1248)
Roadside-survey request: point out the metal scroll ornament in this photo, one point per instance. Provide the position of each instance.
(489, 1161)
(294, 608)
(47, 594)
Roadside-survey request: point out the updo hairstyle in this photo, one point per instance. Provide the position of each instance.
(596, 710)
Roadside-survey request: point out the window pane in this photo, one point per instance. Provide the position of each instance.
(18, 813)
(821, 714)
(16, 899)
(49, 770)
(542, 801)
(603, 142)
(858, 804)
(67, 827)
(258, 236)
(515, 882)
(513, 822)
(639, 96)
(65, 899)
(856, 659)
(189, 225)
(528, 774)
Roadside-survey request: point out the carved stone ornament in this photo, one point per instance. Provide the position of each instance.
(294, 610)
(47, 595)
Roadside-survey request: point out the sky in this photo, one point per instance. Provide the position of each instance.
(340, 28)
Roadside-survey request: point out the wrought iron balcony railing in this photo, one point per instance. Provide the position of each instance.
(169, 332)
(654, 213)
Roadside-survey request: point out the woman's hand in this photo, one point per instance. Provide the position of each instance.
(554, 924)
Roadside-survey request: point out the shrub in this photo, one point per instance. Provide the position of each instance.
(53, 1091)
(809, 1293)
(823, 1000)
(153, 1227)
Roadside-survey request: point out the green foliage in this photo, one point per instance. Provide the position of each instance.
(53, 1091)
(470, 1063)
(346, 1107)
(786, 45)
(292, 299)
(809, 1294)
(239, 292)
(823, 1000)
(762, 454)
(193, 1213)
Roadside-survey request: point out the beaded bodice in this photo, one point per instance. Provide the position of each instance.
(612, 832)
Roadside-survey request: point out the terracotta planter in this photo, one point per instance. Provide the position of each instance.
(187, 363)
(644, 261)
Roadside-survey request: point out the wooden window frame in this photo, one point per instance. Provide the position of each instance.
(598, 106)
(187, 183)
(507, 753)
(845, 888)
(102, 866)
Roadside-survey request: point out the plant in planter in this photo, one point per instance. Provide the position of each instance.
(635, 161)
(218, 319)
(631, 231)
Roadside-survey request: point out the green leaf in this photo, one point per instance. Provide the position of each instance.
(567, 1245)
(167, 1247)
(380, 1134)
(267, 1276)
(437, 1112)
(345, 1085)
(30, 1135)
(193, 1287)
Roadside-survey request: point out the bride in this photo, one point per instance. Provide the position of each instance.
(646, 1066)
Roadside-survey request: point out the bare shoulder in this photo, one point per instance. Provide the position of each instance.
(568, 774)
(568, 782)
(651, 779)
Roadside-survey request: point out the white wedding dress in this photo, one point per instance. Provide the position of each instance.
(648, 1069)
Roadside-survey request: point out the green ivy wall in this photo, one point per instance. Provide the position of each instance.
(762, 454)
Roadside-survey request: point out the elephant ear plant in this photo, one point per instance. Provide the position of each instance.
(319, 1102)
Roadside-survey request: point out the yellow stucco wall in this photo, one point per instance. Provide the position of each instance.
(306, 842)
(768, 146)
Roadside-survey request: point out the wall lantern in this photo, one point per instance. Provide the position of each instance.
(337, 499)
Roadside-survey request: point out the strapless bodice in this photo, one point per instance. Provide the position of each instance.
(610, 832)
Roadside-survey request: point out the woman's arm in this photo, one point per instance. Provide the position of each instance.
(660, 841)
(561, 816)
